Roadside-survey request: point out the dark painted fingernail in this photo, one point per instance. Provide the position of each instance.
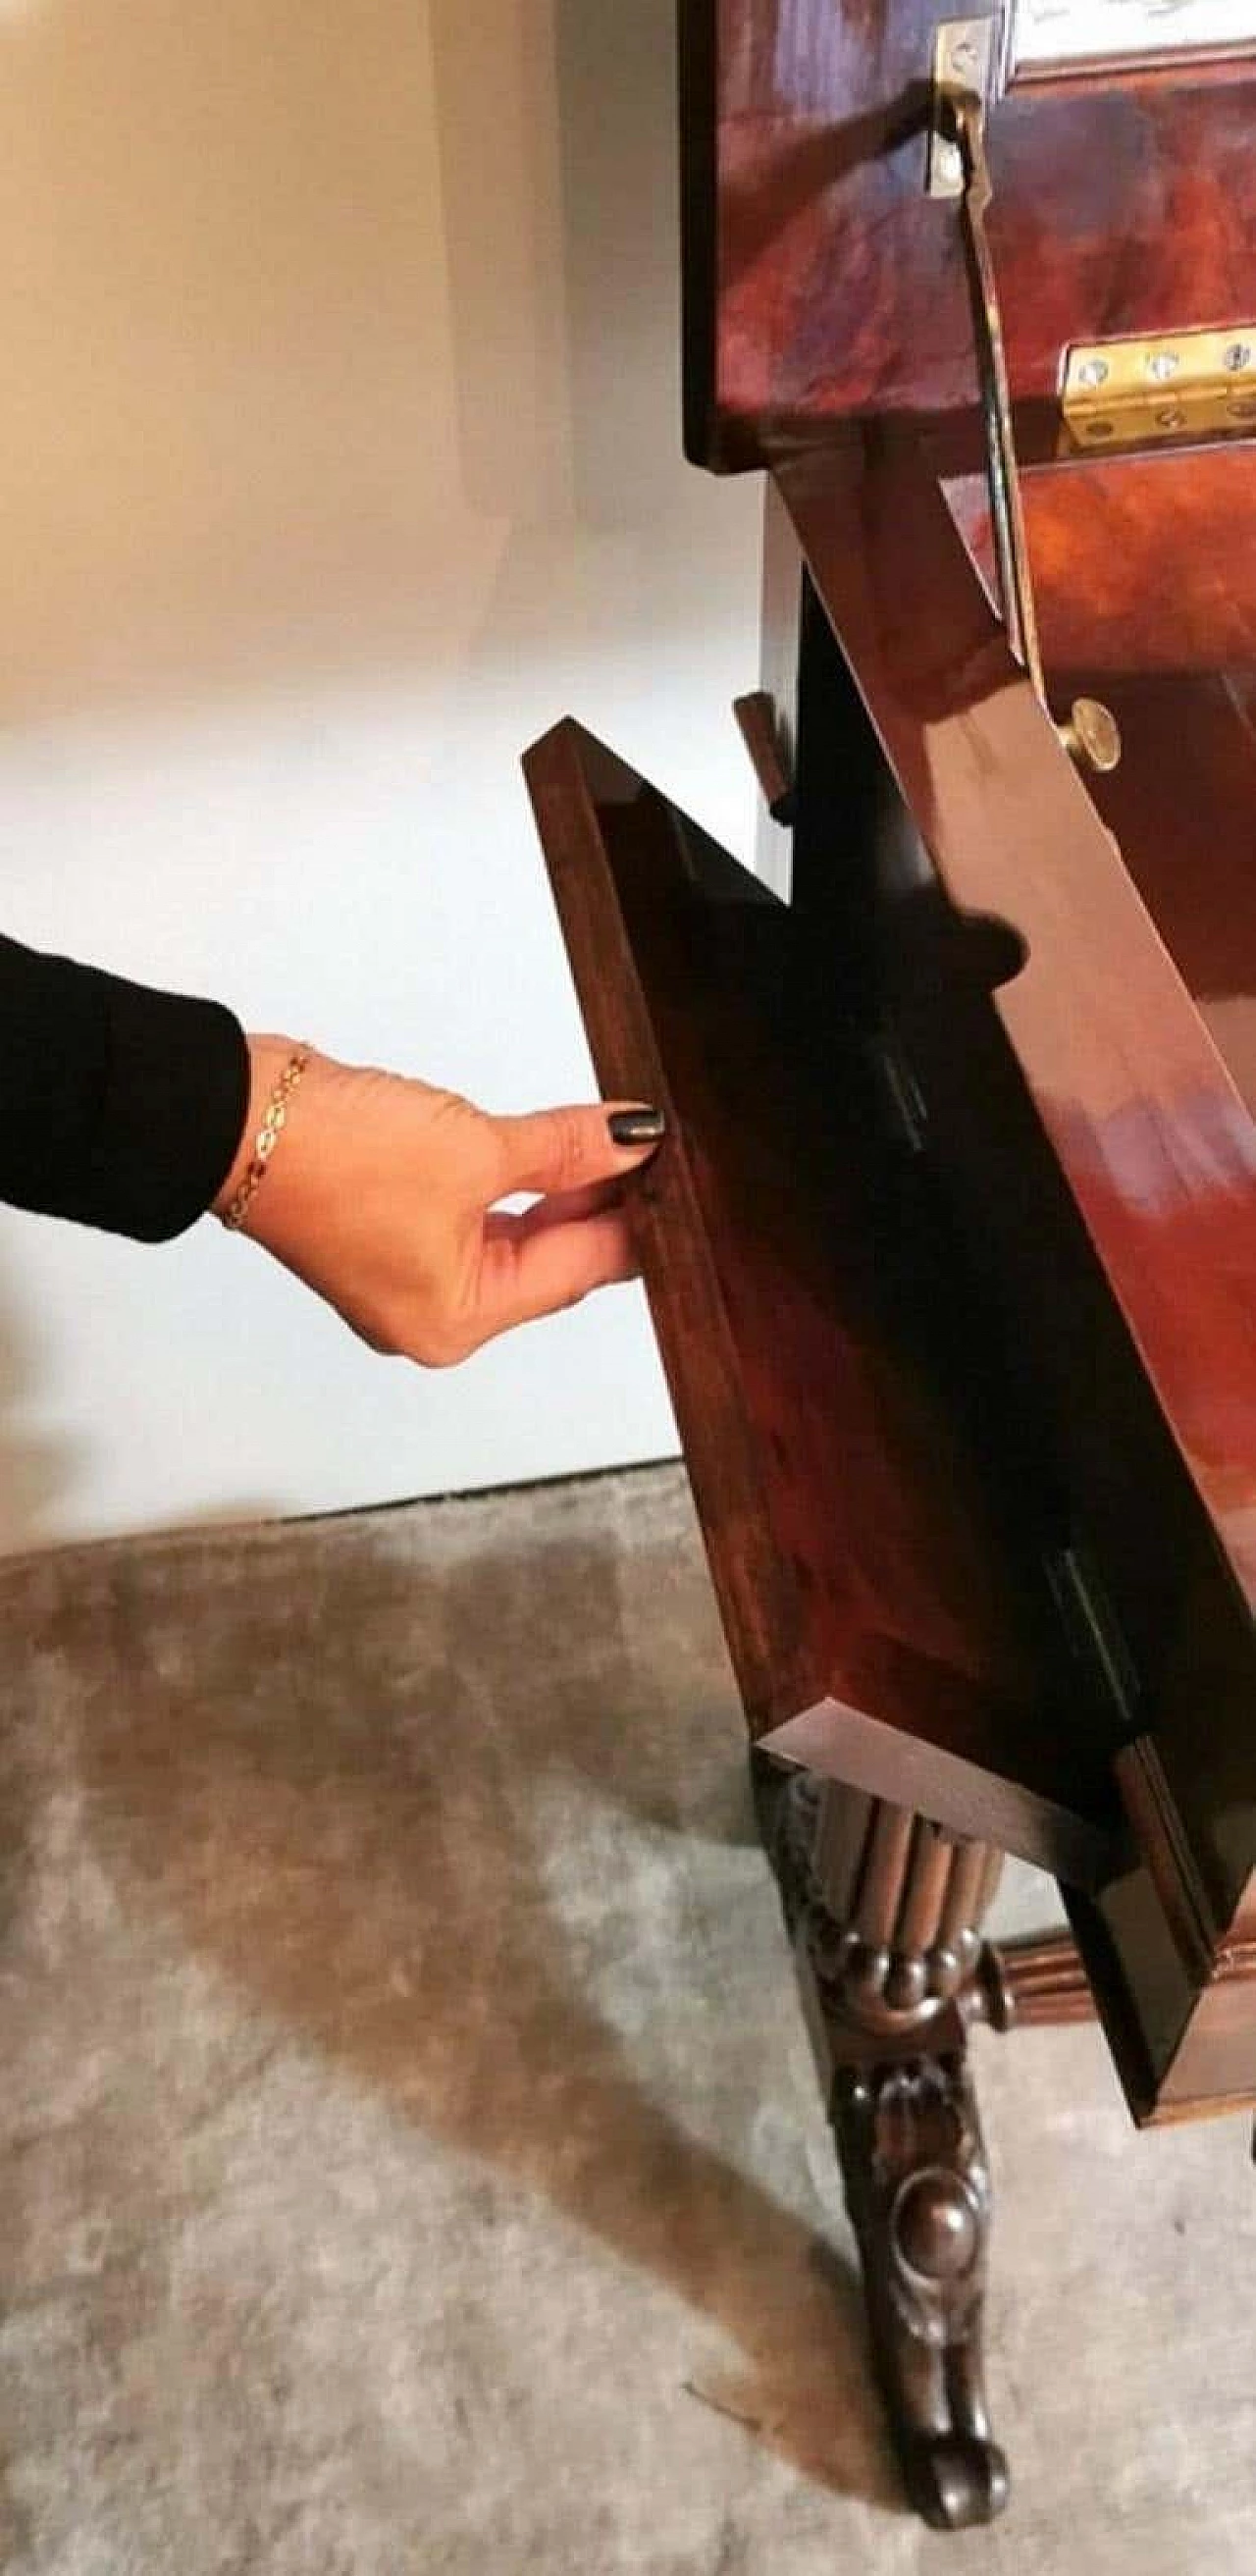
(636, 1126)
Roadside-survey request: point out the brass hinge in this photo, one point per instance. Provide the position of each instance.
(963, 68)
(1140, 392)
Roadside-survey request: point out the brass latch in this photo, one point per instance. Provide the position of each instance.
(1136, 393)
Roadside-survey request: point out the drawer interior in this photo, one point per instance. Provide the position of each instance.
(869, 1542)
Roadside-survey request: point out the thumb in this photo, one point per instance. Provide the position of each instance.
(567, 1149)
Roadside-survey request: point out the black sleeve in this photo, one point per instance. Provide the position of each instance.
(119, 1106)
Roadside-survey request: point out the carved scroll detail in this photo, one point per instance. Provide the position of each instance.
(918, 2191)
(885, 1912)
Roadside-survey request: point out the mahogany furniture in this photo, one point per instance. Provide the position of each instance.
(951, 1249)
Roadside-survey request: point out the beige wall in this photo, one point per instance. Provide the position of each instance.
(339, 453)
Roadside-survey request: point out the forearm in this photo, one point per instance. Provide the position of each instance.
(137, 1111)
(123, 1107)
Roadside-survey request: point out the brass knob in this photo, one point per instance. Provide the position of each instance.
(1092, 736)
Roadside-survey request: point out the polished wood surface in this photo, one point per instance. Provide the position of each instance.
(876, 1586)
(820, 280)
(1045, 1981)
(1142, 563)
(1183, 807)
(1145, 1120)
(1100, 1156)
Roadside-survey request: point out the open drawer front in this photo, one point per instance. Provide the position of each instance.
(951, 1252)
(877, 1604)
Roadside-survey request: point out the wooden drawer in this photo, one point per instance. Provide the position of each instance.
(870, 1578)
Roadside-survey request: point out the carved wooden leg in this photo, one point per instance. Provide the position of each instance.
(1044, 1981)
(885, 1913)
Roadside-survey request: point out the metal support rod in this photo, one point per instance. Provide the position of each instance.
(1091, 734)
(1006, 511)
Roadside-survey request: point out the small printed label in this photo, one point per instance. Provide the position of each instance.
(1079, 31)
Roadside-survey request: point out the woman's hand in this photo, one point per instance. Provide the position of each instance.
(382, 1196)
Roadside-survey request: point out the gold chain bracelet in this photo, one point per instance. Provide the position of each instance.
(274, 1120)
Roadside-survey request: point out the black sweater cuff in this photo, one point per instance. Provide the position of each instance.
(120, 1107)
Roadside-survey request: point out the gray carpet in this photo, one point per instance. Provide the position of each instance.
(412, 2156)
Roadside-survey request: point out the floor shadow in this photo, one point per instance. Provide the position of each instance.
(392, 1794)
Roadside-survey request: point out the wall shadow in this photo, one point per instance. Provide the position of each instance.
(397, 1802)
(309, 305)
(620, 201)
(557, 136)
(222, 318)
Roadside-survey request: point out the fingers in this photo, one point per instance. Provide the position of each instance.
(532, 1268)
(553, 1151)
(559, 1209)
(577, 1236)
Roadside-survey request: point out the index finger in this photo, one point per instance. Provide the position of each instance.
(532, 1270)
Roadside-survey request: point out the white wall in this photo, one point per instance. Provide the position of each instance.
(339, 454)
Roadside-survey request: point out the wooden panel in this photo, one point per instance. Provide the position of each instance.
(1100, 1021)
(1140, 563)
(868, 1571)
(1100, 1158)
(1186, 824)
(819, 278)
